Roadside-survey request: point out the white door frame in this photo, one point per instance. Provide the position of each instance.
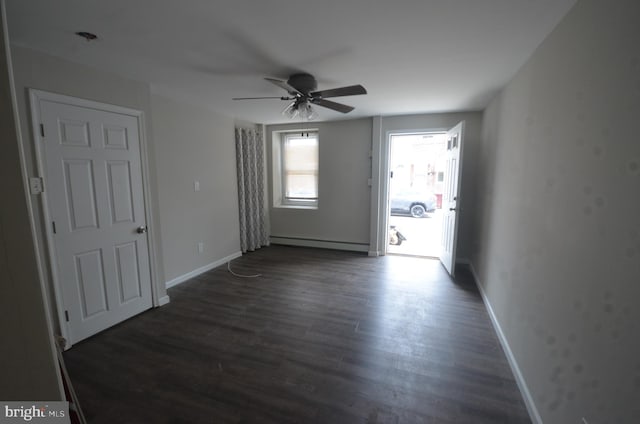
(35, 96)
(381, 156)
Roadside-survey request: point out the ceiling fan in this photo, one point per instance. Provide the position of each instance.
(301, 89)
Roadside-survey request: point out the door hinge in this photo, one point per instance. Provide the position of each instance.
(36, 185)
(66, 315)
(42, 130)
(53, 225)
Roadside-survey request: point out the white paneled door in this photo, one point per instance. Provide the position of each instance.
(93, 180)
(451, 197)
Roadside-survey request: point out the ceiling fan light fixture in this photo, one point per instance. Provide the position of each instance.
(301, 109)
(306, 112)
(291, 111)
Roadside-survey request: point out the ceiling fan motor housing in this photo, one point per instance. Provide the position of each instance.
(304, 83)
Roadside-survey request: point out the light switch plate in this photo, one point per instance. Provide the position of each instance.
(196, 186)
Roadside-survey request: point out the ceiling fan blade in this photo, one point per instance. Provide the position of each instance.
(283, 85)
(351, 90)
(339, 107)
(257, 98)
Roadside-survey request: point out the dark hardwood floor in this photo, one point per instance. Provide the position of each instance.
(322, 337)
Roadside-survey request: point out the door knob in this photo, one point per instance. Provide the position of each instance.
(142, 229)
(452, 209)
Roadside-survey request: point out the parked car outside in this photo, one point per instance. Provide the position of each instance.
(413, 202)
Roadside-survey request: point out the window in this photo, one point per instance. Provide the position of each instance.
(296, 168)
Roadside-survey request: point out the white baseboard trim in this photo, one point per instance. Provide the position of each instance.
(520, 381)
(196, 272)
(323, 244)
(163, 300)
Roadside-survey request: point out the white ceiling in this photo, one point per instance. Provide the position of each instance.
(413, 56)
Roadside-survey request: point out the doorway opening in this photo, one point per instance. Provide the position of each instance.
(417, 165)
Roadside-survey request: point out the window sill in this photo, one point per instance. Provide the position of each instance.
(295, 207)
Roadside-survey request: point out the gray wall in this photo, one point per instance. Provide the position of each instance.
(343, 193)
(40, 71)
(557, 243)
(472, 136)
(193, 143)
(28, 365)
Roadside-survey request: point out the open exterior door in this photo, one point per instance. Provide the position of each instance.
(451, 197)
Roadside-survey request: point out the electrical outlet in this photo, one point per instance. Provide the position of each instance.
(200, 247)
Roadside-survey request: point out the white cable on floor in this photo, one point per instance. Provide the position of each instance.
(240, 275)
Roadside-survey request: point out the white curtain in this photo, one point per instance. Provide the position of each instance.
(250, 165)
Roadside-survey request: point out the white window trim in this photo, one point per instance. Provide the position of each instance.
(279, 200)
